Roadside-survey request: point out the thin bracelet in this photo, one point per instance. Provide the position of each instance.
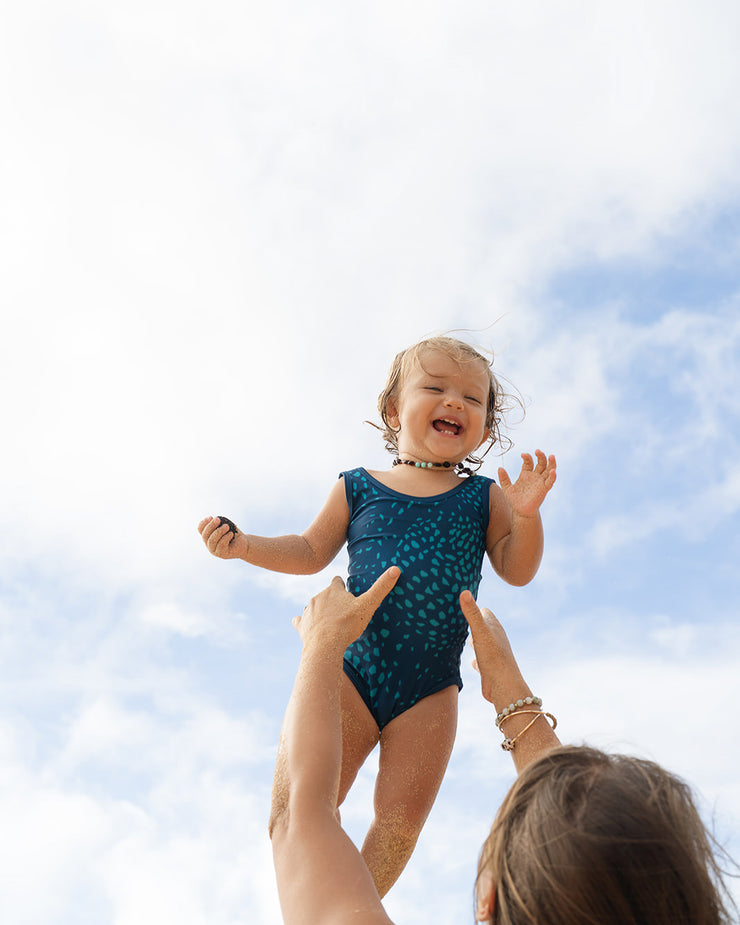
(518, 713)
(517, 705)
(535, 713)
(508, 744)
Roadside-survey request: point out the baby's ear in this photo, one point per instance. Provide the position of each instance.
(391, 413)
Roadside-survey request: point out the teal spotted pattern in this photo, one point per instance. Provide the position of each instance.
(413, 644)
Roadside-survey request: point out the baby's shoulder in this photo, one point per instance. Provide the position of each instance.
(354, 474)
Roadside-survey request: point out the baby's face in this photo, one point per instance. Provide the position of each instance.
(441, 409)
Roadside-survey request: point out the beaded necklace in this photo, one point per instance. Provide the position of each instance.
(459, 468)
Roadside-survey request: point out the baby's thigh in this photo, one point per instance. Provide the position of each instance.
(360, 735)
(415, 748)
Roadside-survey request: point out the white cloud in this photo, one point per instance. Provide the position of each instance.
(133, 793)
(211, 216)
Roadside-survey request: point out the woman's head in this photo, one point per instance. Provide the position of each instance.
(467, 359)
(586, 838)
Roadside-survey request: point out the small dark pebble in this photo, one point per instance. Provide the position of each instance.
(229, 523)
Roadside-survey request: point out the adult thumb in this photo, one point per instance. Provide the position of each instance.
(470, 610)
(382, 586)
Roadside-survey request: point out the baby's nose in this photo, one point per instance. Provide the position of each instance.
(453, 400)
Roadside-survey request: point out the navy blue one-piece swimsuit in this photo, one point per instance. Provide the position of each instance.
(413, 644)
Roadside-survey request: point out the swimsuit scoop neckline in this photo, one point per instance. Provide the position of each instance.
(401, 494)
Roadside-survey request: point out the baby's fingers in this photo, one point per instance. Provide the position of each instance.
(503, 478)
(552, 473)
(203, 524)
(221, 538)
(217, 537)
(229, 523)
(211, 530)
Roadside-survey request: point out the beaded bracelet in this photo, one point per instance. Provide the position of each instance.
(517, 705)
(508, 744)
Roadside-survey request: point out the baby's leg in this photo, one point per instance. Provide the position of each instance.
(360, 735)
(414, 750)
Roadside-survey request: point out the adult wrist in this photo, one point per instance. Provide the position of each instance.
(507, 690)
(323, 643)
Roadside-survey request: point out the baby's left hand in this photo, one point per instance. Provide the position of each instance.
(528, 492)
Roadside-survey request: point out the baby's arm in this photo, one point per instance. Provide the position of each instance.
(515, 539)
(296, 554)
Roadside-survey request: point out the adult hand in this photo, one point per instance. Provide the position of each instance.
(221, 540)
(502, 683)
(338, 616)
(526, 495)
(494, 659)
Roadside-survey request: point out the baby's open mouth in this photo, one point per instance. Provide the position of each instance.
(446, 427)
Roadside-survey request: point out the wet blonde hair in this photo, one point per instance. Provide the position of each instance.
(586, 838)
(499, 401)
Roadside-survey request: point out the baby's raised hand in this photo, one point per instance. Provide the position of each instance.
(528, 492)
(223, 538)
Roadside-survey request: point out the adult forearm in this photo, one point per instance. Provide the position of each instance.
(310, 750)
(321, 875)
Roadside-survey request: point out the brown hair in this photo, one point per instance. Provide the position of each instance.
(586, 838)
(499, 401)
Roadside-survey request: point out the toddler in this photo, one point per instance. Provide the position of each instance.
(434, 518)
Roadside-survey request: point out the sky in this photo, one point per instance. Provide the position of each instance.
(220, 221)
